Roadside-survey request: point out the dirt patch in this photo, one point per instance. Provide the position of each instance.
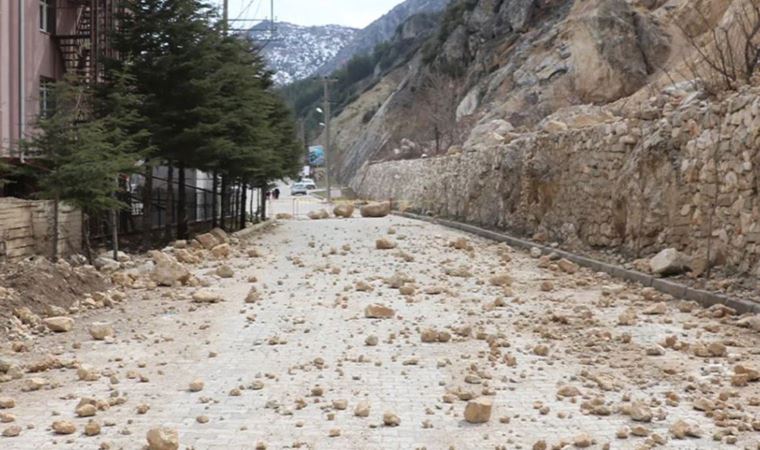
(37, 283)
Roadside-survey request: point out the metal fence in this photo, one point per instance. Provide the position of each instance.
(199, 210)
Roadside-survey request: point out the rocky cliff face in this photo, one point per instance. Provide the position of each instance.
(517, 60)
(297, 52)
(573, 121)
(381, 30)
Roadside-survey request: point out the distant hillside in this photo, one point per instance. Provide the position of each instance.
(297, 51)
(381, 30)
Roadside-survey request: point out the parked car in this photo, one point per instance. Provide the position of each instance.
(309, 183)
(299, 189)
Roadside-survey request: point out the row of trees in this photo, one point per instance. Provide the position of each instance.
(181, 94)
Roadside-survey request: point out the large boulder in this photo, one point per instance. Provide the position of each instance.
(478, 410)
(220, 235)
(59, 324)
(318, 215)
(344, 210)
(163, 439)
(168, 271)
(669, 262)
(207, 240)
(381, 209)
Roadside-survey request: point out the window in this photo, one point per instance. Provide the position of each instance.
(47, 15)
(46, 100)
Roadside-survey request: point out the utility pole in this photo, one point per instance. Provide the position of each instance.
(326, 85)
(226, 16)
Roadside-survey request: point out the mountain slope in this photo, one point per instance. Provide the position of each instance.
(380, 31)
(297, 51)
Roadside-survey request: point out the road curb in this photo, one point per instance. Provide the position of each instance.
(677, 290)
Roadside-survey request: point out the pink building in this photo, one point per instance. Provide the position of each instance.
(40, 41)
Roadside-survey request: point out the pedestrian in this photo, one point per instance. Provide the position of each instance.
(276, 193)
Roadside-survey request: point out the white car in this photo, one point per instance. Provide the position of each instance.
(309, 183)
(299, 189)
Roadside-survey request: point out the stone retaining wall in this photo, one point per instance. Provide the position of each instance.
(683, 174)
(26, 229)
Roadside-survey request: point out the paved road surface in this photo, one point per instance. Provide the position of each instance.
(547, 350)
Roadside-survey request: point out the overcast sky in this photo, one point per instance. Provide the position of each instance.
(353, 13)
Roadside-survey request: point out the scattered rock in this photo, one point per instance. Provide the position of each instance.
(669, 262)
(377, 311)
(163, 439)
(63, 427)
(225, 271)
(101, 330)
(318, 215)
(196, 385)
(59, 324)
(568, 266)
(344, 210)
(362, 409)
(390, 419)
(385, 244)
(681, 429)
(478, 410)
(376, 209)
(12, 431)
(222, 251)
(206, 296)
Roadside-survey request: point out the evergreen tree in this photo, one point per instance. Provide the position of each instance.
(81, 162)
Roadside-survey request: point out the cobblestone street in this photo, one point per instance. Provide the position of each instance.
(567, 357)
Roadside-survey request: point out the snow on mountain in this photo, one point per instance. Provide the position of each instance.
(297, 52)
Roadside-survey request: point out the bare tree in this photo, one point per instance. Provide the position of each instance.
(437, 107)
(728, 55)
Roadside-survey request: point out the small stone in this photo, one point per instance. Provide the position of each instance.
(7, 403)
(12, 431)
(478, 410)
(334, 432)
(202, 419)
(429, 335)
(225, 271)
(63, 427)
(541, 350)
(568, 266)
(362, 409)
(385, 244)
(371, 341)
(583, 440)
(340, 405)
(101, 330)
(196, 385)
(162, 439)
(92, 428)
(206, 296)
(377, 311)
(86, 410)
(681, 429)
(390, 419)
(641, 412)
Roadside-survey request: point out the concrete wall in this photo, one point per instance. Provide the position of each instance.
(676, 175)
(26, 229)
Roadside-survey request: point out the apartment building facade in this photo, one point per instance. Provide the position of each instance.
(40, 42)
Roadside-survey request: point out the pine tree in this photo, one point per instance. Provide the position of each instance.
(81, 163)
